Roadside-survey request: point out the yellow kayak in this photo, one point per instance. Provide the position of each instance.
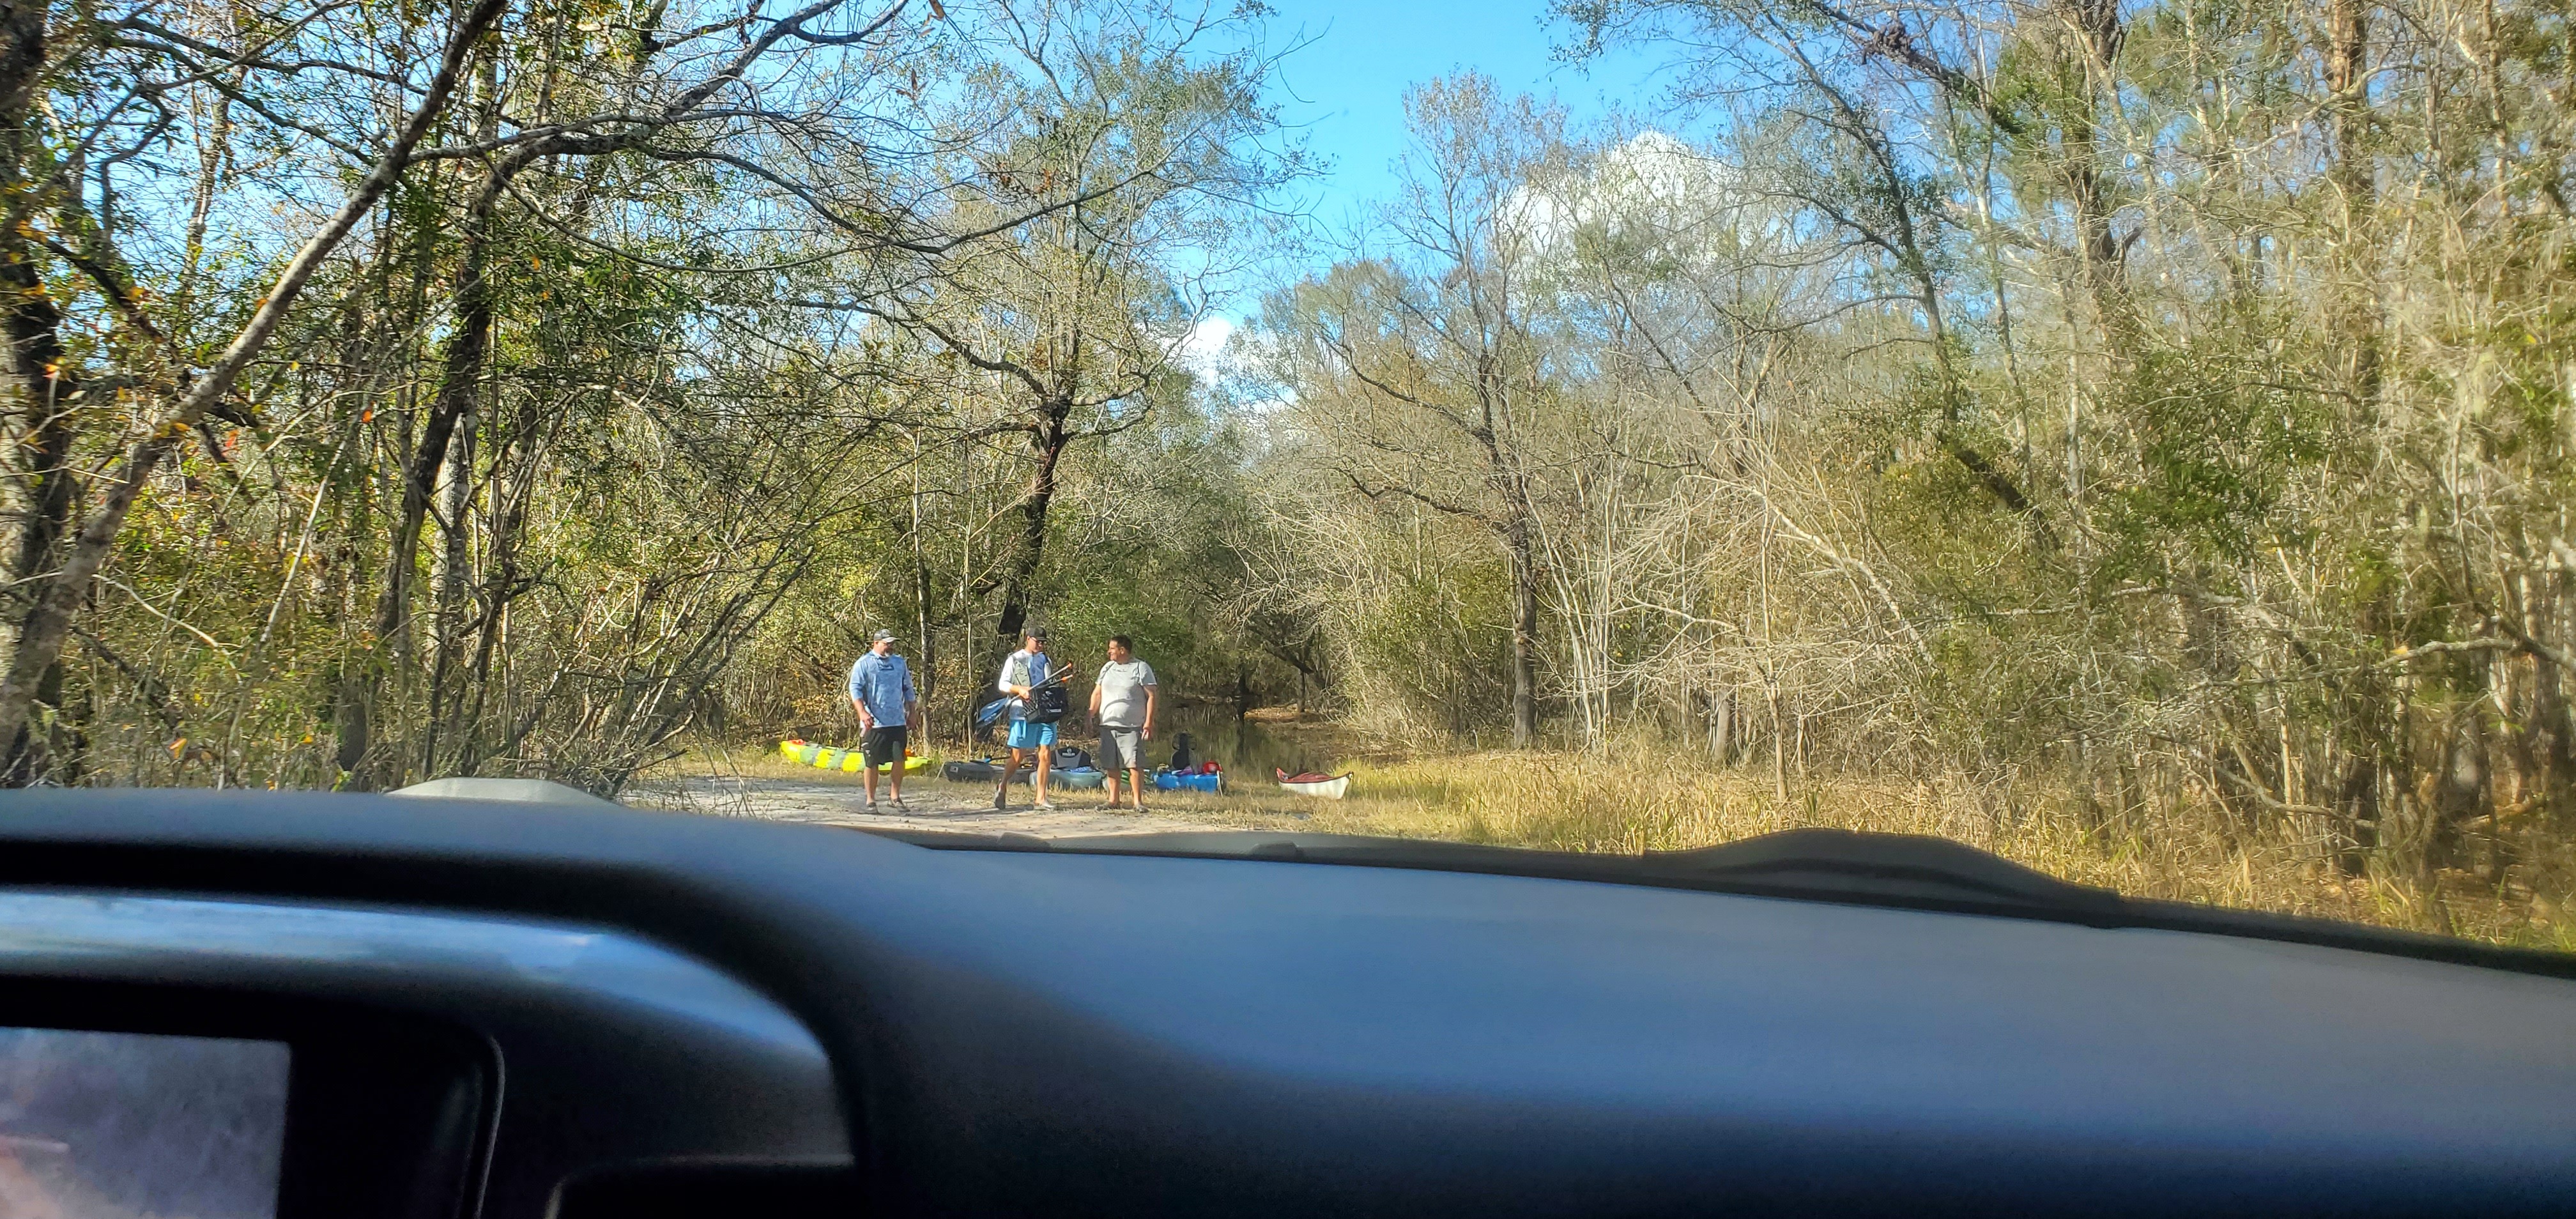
(848, 761)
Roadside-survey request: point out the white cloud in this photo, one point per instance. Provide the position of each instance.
(1203, 351)
(1654, 189)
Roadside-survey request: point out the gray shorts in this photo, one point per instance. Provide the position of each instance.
(1121, 748)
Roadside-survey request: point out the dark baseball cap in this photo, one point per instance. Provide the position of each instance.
(1036, 632)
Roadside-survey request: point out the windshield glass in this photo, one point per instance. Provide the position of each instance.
(2133, 440)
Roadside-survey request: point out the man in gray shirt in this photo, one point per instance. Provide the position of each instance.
(1122, 703)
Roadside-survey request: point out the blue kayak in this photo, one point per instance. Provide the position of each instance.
(1166, 780)
(1078, 778)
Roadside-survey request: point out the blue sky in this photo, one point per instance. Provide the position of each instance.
(1346, 90)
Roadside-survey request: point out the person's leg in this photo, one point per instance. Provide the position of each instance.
(1131, 758)
(1002, 794)
(1109, 763)
(872, 753)
(1044, 741)
(896, 739)
(1022, 735)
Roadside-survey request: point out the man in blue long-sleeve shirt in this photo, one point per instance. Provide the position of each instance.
(881, 692)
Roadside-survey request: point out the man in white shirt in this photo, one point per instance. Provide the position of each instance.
(1122, 703)
(1022, 672)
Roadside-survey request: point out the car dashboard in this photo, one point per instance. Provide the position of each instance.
(519, 1011)
(439, 1063)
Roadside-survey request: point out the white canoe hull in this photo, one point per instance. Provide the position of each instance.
(1322, 789)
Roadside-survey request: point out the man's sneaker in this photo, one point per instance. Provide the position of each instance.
(1043, 802)
(872, 804)
(898, 803)
(1001, 797)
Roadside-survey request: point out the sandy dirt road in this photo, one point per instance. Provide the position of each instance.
(931, 805)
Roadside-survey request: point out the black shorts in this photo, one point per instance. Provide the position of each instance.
(884, 746)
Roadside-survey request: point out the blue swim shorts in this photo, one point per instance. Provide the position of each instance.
(1026, 735)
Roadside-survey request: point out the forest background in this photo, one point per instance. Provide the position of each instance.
(2145, 425)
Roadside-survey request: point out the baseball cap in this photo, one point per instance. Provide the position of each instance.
(1036, 632)
(882, 636)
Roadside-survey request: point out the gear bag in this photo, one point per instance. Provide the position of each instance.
(1049, 702)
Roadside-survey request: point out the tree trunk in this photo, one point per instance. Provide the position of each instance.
(460, 381)
(1721, 726)
(450, 576)
(2358, 801)
(1524, 635)
(45, 388)
(929, 683)
(39, 371)
(460, 377)
(511, 483)
(2553, 723)
(2356, 318)
(1779, 745)
(2461, 794)
(1033, 522)
(2098, 24)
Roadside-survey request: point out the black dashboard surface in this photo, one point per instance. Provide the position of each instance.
(1057, 1034)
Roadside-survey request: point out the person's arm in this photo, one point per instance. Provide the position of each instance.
(858, 693)
(911, 699)
(1095, 692)
(1003, 683)
(1152, 695)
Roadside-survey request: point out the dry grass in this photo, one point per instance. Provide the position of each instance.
(1648, 800)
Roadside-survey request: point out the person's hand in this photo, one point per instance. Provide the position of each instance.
(867, 722)
(1145, 733)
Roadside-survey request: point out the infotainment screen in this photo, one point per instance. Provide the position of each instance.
(119, 1125)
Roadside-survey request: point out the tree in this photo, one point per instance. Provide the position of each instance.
(553, 385)
(1144, 157)
(47, 620)
(1419, 370)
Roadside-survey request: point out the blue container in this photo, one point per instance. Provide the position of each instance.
(1165, 780)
